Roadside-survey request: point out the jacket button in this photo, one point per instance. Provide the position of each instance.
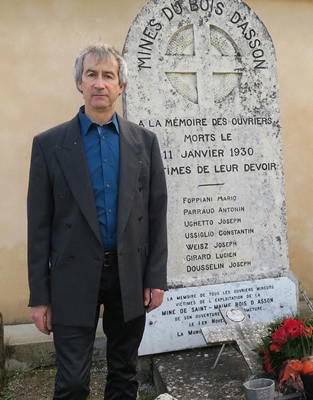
(68, 226)
(71, 257)
(139, 249)
(140, 219)
(140, 188)
(62, 195)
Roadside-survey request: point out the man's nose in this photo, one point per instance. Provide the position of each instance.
(100, 82)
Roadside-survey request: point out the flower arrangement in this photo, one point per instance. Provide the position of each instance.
(287, 350)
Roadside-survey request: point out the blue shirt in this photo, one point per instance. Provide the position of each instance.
(103, 153)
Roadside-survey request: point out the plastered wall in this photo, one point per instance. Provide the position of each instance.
(39, 41)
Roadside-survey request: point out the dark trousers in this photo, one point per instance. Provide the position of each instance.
(74, 347)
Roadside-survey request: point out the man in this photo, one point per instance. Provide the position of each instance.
(96, 231)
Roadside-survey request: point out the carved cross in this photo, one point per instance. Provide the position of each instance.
(221, 64)
(240, 329)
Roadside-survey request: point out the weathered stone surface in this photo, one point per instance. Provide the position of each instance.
(177, 323)
(203, 76)
(189, 375)
(165, 396)
(240, 330)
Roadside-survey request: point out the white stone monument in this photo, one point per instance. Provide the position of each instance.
(203, 76)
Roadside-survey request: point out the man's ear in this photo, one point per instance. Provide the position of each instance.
(79, 86)
(122, 88)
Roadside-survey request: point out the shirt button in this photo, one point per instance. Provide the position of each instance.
(105, 160)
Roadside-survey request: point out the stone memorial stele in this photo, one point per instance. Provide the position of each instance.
(203, 77)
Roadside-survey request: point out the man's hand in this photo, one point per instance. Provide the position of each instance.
(41, 315)
(153, 298)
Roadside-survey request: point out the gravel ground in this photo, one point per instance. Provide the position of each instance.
(38, 384)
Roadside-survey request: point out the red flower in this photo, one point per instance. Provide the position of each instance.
(267, 363)
(287, 342)
(294, 328)
(274, 348)
(279, 337)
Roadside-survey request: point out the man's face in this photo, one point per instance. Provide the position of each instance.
(100, 85)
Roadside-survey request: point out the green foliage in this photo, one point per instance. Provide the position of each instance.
(287, 339)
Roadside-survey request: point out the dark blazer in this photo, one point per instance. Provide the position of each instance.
(65, 252)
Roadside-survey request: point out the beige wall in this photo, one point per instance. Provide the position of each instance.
(39, 41)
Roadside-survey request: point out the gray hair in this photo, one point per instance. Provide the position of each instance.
(101, 51)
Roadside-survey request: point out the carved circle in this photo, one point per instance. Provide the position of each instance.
(183, 43)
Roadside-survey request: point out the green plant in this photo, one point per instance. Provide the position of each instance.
(287, 339)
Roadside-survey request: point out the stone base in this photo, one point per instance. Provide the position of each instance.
(189, 375)
(26, 348)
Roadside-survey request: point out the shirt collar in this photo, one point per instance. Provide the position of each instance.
(86, 123)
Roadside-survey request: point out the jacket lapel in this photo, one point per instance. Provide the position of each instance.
(130, 166)
(72, 159)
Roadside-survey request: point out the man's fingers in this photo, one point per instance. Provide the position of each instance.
(156, 299)
(41, 315)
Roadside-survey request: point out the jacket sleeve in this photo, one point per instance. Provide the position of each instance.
(156, 270)
(40, 216)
